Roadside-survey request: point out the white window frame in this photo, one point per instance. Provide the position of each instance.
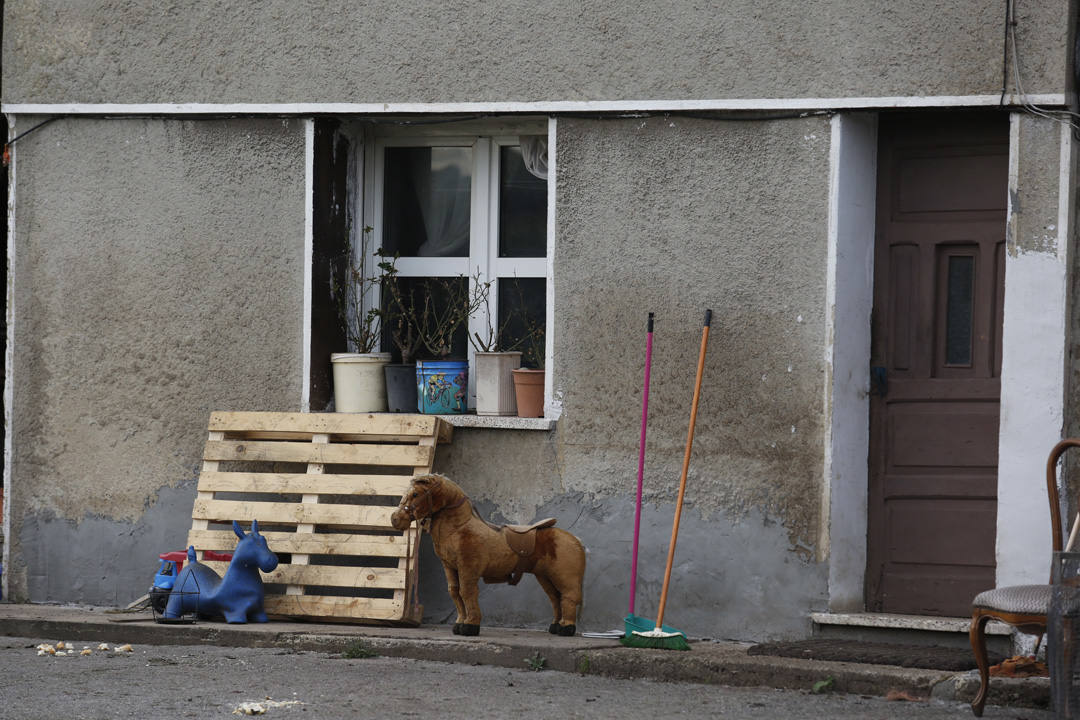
(483, 254)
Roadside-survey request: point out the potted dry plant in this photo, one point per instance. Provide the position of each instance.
(529, 380)
(359, 384)
(401, 323)
(441, 307)
(496, 357)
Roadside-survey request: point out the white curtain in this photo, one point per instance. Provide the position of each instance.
(534, 153)
(444, 205)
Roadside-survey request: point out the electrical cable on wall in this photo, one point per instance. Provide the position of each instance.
(9, 143)
(1064, 117)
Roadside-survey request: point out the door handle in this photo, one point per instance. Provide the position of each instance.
(879, 381)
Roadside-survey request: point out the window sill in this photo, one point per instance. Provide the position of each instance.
(498, 422)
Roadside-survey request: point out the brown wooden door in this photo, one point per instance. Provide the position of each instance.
(939, 272)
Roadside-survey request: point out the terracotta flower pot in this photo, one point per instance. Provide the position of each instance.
(529, 390)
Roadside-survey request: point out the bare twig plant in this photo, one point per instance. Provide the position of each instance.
(400, 317)
(362, 327)
(495, 338)
(426, 316)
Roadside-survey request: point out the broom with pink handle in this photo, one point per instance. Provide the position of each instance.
(641, 461)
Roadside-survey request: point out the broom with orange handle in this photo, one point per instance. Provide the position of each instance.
(658, 637)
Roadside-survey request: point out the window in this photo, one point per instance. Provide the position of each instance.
(462, 207)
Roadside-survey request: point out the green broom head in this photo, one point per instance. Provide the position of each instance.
(656, 639)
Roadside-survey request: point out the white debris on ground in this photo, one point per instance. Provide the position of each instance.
(260, 708)
(63, 649)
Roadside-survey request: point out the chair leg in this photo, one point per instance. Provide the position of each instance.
(977, 635)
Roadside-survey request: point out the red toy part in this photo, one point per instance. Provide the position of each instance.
(180, 556)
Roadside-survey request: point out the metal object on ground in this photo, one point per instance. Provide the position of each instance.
(1063, 636)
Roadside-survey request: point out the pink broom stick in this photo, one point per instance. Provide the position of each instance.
(641, 461)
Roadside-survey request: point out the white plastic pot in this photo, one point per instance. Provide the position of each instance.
(495, 382)
(359, 382)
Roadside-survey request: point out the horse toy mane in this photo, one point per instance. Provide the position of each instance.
(238, 596)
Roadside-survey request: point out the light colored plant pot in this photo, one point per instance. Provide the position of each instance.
(529, 390)
(359, 382)
(495, 382)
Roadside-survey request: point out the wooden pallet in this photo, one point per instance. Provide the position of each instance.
(322, 486)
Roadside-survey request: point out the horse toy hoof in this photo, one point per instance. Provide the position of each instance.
(472, 549)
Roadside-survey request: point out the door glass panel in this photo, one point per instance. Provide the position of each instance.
(958, 312)
(426, 201)
(522, 207)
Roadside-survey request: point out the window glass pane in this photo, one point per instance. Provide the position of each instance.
(522, 207)
(416, 312)
(426, 201)
(522, 312)
(958, 317)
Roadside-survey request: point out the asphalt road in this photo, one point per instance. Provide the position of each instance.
(174, 682)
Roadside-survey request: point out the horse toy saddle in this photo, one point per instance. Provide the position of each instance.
(522, 540)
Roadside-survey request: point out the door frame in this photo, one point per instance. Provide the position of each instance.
(1033, 363)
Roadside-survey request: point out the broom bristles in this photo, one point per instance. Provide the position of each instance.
(655, 639)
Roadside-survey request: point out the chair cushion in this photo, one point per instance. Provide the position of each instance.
(1021, 599)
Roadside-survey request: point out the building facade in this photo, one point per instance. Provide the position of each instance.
(876, 200)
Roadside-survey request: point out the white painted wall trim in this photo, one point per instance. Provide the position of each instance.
(9, 368)
(849, 300)
(542, 107)
(552, 404)
(1032, 377)
(309, 246)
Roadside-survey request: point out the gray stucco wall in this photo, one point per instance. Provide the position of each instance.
(281, 51)
(674, 216)
(183, 294)
(158, 276)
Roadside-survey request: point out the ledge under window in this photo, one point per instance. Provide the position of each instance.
(499, 422)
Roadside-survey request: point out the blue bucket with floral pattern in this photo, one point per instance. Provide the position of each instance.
(442, 386)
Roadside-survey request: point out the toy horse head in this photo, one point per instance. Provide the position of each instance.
(426, 496)
(252, 550)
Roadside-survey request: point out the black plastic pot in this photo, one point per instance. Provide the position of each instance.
(401, 387)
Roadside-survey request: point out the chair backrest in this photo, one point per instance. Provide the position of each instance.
(1052, 490)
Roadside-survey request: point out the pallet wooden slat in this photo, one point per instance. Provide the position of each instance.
(316, 544)
(330, 423)
(322, 539)
(329, 576)
(335, 608)
(298, 483)
(302, 452)
(367, 516)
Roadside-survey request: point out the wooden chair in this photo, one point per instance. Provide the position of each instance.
(1025, 607)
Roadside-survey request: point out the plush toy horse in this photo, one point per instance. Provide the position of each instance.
(238, 596)
(472, 548)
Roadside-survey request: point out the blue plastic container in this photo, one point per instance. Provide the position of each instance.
(442, 386)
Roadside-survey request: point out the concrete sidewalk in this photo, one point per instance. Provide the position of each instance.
(719, 663)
